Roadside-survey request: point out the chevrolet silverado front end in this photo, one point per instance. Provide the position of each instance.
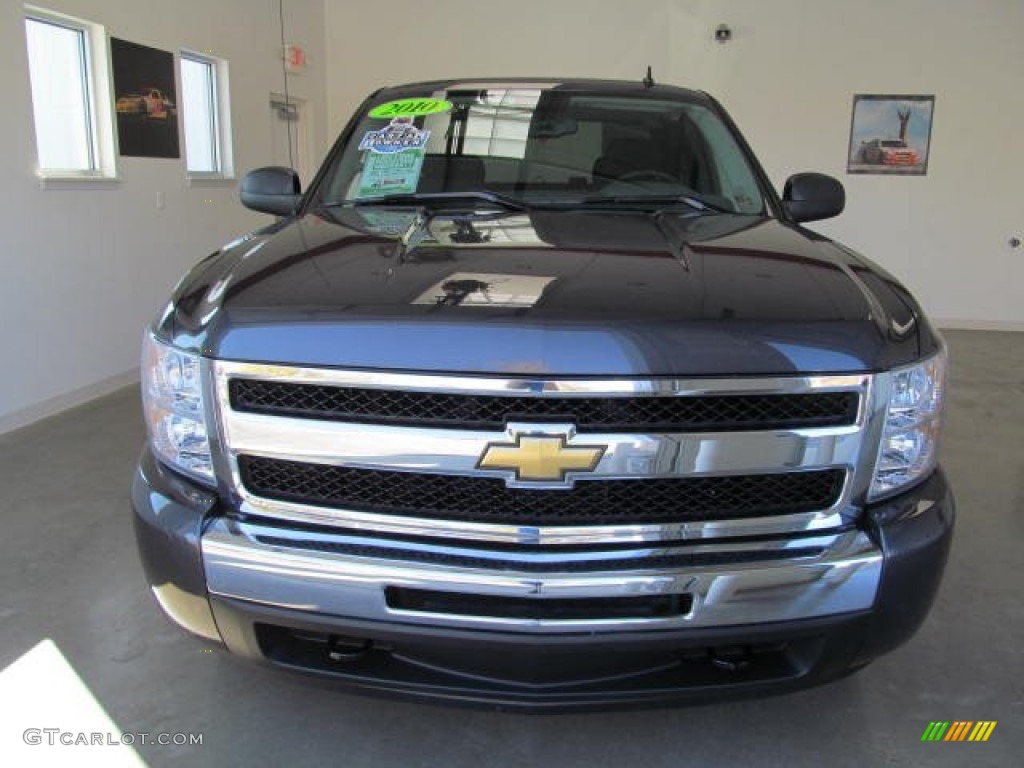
(541, 398)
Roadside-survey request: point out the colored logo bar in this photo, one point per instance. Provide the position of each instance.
(959, 730)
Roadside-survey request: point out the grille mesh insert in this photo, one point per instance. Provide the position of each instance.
(611, 414)
(489, 500)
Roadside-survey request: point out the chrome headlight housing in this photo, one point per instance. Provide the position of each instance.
(908, 451)
(172, 401)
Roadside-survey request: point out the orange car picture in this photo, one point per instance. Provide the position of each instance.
(888, 152)
(151, 103)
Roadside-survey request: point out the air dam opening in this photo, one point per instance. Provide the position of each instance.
(538, 608)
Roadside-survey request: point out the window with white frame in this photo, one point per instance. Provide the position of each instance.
(207, 139)
(73, 136)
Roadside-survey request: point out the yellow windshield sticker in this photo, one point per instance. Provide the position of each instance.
(410, 108)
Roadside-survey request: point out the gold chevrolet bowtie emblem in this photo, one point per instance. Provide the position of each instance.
(541, 457)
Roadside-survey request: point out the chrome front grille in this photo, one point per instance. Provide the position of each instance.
(401, 454)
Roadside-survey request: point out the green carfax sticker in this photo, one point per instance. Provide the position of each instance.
(395, 173)
(410, 108)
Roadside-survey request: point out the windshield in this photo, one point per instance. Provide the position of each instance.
(539, 145)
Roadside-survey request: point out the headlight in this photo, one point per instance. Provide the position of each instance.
(909, 447)
(172, 400)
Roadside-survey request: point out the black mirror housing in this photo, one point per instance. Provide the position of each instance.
(273, 189)
(813, 196)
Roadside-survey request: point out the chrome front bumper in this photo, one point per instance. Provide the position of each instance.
(281, 601)
(315, 573)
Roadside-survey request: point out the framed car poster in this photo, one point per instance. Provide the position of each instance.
(145, 100)
(890, 134)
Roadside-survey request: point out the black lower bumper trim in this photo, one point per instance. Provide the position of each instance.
(564, 672)
(496, 606)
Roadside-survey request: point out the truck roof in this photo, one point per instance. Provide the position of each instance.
(612, 87)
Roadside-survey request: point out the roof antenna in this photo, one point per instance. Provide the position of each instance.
(648, 80)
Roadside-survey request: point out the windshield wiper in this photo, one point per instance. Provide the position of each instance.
(656, 200)
(673, 238)
(420, 198)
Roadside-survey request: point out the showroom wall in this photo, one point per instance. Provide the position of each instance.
(788, 77)
(489, 38)
(85, 265)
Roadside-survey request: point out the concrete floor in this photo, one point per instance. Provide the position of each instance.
(69, 572)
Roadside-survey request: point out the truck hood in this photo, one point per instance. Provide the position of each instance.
(622, 293)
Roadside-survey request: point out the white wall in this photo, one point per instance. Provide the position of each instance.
(487, 38)
(84, 266)
(788, 78)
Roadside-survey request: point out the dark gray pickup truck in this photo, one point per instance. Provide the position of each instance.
(540, 398)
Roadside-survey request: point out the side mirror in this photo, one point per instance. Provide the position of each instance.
(813, 196)
(273, 190)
